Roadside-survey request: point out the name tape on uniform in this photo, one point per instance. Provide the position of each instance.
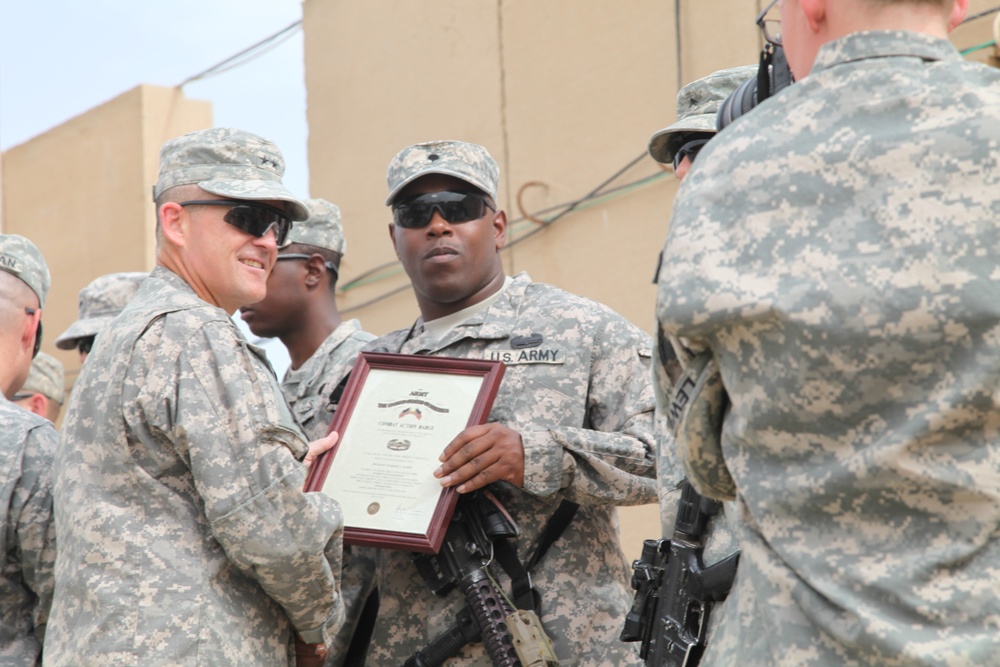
(535, 355)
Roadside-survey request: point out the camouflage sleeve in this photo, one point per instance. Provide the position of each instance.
(611, 458)
(357, 583)
(36, 529)
(233, 427)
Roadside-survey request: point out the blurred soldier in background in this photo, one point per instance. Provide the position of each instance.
(100, 302)
(44, 392)
(678, 145)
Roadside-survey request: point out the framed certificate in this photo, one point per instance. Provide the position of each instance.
(397, 414)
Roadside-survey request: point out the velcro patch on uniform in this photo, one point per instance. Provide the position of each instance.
(535, 355)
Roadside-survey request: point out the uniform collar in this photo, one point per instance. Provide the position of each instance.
(883, 44)
(497, 322)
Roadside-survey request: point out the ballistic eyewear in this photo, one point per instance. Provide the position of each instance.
(84, 345)
(690, 150)
(302, 255)
(253, 218)
(455, 207)
(771, 27)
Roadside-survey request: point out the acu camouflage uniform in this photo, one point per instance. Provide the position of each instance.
(837, 251)
(185, 536)
(307, 390)
(583, 404)
(697, 106)
(27, 542)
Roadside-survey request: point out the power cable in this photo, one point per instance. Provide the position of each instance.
(246, 55)
(980, 15)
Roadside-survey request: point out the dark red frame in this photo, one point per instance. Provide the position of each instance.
(430, 542)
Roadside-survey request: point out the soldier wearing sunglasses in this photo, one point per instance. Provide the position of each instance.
(27, 443)
(185, 537)
(836, 254)
(571, 427)
(300, 309)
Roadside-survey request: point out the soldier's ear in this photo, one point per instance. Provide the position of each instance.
(500, 229)
(959, 9)
(172, 217)
(315, 270)
(815, 12)
(36, 403)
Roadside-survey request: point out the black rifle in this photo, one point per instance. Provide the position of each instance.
(674, 591)
(464, 561)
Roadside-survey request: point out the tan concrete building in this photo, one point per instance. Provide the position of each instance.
(564, 93)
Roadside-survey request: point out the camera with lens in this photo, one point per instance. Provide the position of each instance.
(772, 76)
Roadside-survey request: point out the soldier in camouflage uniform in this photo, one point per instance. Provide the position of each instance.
(678, 144)
(836, 251)
(99, 303)
(301, 310)
(27, 443)
(573, 418)
(185, 537)
(44, 392)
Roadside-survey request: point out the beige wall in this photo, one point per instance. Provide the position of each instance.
(83, 193)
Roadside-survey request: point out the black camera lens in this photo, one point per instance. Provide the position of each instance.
(772, 76)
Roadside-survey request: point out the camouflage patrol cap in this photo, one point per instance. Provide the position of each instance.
(100, 302)
(322, 228)
(469, 162)
(697, 104)
(46, 377)
(22, 258)
(229, 163)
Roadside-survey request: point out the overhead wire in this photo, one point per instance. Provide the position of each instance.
(980, 15)
(248, 54)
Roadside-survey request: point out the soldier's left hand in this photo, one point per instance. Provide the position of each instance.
(480, 455)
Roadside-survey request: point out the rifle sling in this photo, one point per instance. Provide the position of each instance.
(525, 595)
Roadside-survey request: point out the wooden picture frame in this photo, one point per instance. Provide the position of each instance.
(397, 414)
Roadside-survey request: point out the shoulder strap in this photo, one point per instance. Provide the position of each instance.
(525, 596)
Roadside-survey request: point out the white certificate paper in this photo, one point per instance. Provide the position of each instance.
(383, 473)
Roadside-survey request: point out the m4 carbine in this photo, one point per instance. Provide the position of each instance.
(511, 638)
(674, 591)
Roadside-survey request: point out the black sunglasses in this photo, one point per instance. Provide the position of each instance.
(417, 212)
(84, 345)
(253, 218)
(302, 255)
(690, 149)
